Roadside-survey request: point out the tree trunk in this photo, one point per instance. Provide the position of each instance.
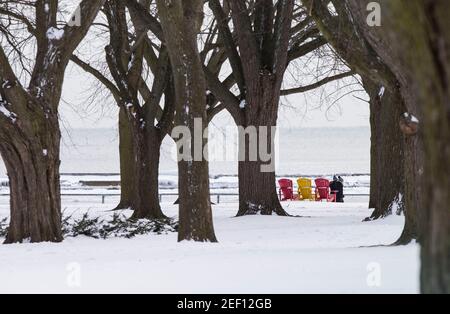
(257, 181)
(140, 146)
(195, 204)
(435, 254)
(257, 191)
(395, 162)
(258, 57)
(145, 202)
(387, 188)
(29, 128)
(373, 199)
(418, 37)
(181, 23)
(32, 162)
(126, 161)
(414, 197)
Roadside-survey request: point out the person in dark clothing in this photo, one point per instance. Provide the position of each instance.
(337, 186)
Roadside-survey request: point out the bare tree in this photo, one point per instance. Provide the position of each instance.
(387, 169)
(128, 55)
(220, 46)
(139, 189)
(265, 39)
(29, 127)
(413, 40)
(394, 156)
(181, 22)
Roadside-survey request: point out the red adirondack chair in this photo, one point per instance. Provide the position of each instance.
(323, 191)
(286, 190)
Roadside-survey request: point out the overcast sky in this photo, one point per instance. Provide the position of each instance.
(304, 110)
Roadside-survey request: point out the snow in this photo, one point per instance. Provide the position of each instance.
(131, 62)
(5, 111)
(6, 84)
(10, 115)
(381, 92)
(242, 104)
(54, 33)
(396, 203)
(327, 250)
(168, 184)
(414, 119)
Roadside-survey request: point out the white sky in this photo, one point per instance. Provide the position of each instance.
(304, 110)
(297, 111)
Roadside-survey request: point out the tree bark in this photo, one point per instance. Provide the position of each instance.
(257, 191)
(257, 180)
(374, 170)
(145, 201)
(32, 163)
(140, 147)
(387, 189)
(413, 190)
(126, 161)
(181, 23)
(33, 173)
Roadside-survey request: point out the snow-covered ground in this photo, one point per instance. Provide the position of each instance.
(327, 250)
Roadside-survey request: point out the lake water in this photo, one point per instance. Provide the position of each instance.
(308, 151)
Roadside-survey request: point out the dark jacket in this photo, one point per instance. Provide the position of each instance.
(339, 187)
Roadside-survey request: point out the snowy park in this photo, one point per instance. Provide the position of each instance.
(323, 248)
(326, 250)
(225, 147)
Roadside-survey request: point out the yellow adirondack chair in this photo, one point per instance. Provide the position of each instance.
(305, 189)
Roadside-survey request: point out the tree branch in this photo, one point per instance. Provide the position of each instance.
(229, 43)
(317, 84)
(223, 94)
(10, 87)
(98, 75)
(281, 36)
(342, 33)
(141, 12)
(73, 35)
(20, 17)
(304, 49)
(247, 43)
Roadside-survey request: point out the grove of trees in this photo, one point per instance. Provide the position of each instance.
(177, 64)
